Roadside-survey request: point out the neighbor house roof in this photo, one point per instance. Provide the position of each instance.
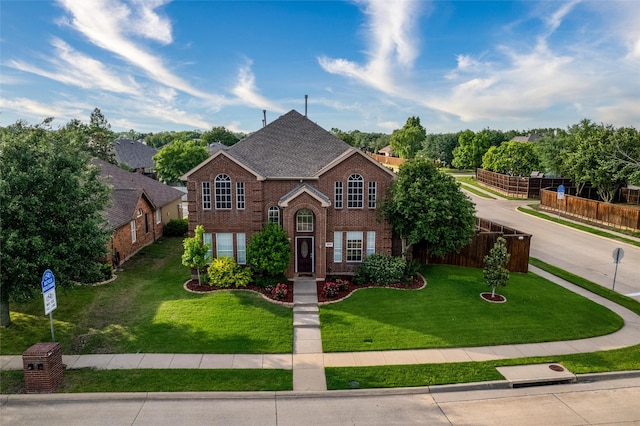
(123, 203)
(531, 137)
(290, 147)
(159, 194)
(134, 154)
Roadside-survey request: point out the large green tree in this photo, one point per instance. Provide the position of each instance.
(428, 206)
(471, 147)
(101, 137)
(514, 158)
(406, 142)
(219, 134)
(51, 203)
(177, 158)
(439, 147)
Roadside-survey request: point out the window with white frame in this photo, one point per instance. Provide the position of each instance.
(240, 201)
(223, 192)
(337, 247)
(355, 190)
(372, 195)
(241, 247)
(304, 220)
(224, 245)
(134, 234)
(158, 216)
(371, 242)
(206, 196)
(337, 195)
(273, 216)
(207, 238)
(354, 246)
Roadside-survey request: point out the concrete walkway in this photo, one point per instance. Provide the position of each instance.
(308, 361)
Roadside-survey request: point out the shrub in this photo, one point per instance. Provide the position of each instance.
(107, 271)
(343, 285)
(280, 291)
(269, 251)
(381, 269)
(225, 272)
(330, 289)
(176, 228)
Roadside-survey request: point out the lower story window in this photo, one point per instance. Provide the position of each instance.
(354, 246)
(207, 239)
(224, 245)
(241, 245)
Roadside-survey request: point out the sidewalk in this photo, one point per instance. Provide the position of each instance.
(308, 361)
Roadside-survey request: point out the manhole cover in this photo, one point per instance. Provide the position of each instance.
(556, 367)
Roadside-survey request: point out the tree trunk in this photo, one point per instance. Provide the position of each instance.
(197, 269)
(493, 292)
(5, 315)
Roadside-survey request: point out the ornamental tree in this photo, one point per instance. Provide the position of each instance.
(177, 158)
(495, 272)
(428, 206)
(51, 203)
(196, 252)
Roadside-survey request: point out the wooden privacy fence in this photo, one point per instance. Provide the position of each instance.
(630, 196)
(394, 162)
(518, 244)
(615, 215)
(518, 186)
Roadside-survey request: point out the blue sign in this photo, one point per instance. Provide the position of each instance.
(48, 281)
(560, 192)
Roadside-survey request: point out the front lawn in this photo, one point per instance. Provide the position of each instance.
(450, 313)
(147, 310)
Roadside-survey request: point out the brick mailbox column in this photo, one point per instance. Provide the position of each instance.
(42, 366)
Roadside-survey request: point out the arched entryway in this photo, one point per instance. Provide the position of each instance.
(305, 226)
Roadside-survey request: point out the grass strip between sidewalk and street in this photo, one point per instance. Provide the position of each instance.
(161, 380)
(390, 376)
(470, 181)
(533, 211)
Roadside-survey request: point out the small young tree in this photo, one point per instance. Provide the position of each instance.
(269, 252)
(495, 273)
(195, 252)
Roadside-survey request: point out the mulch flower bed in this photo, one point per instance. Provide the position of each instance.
(496, 298)
(418, 282)
(192, 285)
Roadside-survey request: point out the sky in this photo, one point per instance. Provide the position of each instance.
(368, 65)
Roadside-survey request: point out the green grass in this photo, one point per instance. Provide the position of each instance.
(618, 298)
(147, 310)
(473, 190)
(471, 181)
(450, 313)
(161, 380)
(466, 372)
(590, 229)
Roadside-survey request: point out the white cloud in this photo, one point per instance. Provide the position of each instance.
(390, 126)
(106, 23)
(74, 68)
(247, 93)
(37, 111)
(393, 45)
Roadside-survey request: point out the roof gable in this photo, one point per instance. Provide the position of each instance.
(304, 188)
(290, 147)
(122, 209)
(134, 154)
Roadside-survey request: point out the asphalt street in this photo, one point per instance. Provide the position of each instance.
(608, 402)
(581, 253)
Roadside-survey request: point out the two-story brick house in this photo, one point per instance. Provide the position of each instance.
(325, 193)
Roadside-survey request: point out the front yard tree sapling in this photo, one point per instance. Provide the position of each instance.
(195, 252)
(495, 273)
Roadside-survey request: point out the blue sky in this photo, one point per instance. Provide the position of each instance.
(158, 65)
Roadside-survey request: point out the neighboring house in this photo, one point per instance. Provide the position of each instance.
(386, 151)
(135, 155)
(325, 193)
(139, 208)
(531, 137)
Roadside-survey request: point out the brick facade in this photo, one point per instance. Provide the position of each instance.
(261, 194)
(43, 368)
(121, 245)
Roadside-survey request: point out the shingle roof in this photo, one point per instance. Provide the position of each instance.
(290, 147)
(302, 188)
(122, 207)
(134, 154)
(531, 137)
(159, 193)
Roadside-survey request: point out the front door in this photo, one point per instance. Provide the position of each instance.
(304, 255)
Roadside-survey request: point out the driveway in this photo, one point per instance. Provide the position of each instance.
(581, 253)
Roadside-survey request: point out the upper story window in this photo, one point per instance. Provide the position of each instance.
(355, 191)
(274, 215)
(206, 196)
(240, 199)
(223, 192)
(372, 195)
(338, 194)
(304, 220)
